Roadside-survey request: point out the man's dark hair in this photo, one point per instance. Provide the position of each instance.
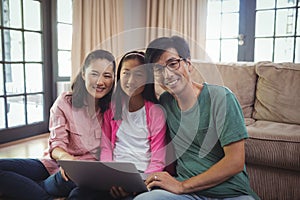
(158, 46)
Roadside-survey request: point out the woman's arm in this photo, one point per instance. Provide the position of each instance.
(58, 122)
(60, 154)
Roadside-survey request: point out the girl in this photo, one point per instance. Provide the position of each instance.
(75, 132)
(134, 126)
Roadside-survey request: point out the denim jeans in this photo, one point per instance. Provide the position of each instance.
(159, 194)
(56, 186)
(20, 179)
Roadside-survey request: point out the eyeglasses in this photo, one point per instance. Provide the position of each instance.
(172, 65)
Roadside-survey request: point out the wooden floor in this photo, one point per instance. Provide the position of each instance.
(32, 147)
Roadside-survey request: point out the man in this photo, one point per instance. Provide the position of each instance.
(207, 129)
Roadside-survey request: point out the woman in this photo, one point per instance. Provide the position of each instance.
(75, 132)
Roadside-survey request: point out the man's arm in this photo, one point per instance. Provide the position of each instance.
(231, 164)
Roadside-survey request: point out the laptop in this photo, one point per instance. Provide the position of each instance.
(103, 175)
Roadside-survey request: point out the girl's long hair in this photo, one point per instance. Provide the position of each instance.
(79, 91)
(148, 92)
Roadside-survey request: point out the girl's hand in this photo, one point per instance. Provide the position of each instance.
(165, 181)
(118, 192)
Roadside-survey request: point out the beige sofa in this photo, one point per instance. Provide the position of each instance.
(269, 95)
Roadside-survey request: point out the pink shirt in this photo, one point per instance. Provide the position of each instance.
(156, 136)
(73, 130)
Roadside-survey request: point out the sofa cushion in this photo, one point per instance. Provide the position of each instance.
(239, 77)
(278, 92)
(273, 144)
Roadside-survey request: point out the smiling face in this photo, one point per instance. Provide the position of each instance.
(174, 81)
(99, 78)
(133, 77)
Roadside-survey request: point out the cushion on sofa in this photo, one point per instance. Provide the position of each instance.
(206, 72)
(278, 92)
(273, 144)
(239, 77)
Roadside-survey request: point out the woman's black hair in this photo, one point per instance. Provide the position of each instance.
(148, 92)
(158, 46)
(79, 91)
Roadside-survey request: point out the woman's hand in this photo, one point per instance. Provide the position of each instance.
(165, 181)
(60, 154)
(63, 174)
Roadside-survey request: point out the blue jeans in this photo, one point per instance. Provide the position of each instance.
(20, 179)
(56, 186)
(159, 194)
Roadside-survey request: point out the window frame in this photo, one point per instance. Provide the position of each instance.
(247, 30)
(56, 78)
(27, 130)
(246, 34)
(274, 37)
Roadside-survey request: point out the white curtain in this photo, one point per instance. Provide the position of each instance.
(100, 24)
(95, 22)
(186, 18)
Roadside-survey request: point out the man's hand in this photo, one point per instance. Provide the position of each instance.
(165, 181)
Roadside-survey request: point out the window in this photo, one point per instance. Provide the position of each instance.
(277, 36)
(259, 30)
(64, 37)
(62, 44)
(24, 93)
(222, 29)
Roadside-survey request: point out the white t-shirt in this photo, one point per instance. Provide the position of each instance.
(132, 143)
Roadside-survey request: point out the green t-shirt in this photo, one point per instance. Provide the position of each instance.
(200, 133)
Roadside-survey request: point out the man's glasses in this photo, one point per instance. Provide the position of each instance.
(172, 65)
